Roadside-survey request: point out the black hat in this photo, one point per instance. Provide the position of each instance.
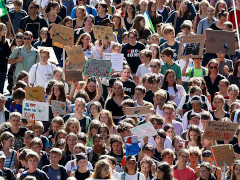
(81, 156)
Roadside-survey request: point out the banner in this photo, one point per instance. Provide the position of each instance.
(116, 59)
(131, 145)
(73, 76)
(35, 93)
(103, 33)
(137, 111)
(62, 36)
(143, 130)
(59, 107)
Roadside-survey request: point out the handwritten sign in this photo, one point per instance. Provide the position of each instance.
(220, 130)
(62, 36)
(75, 58)
(53, 58)
(35, 93)
(220, 41)
(98, 67)
(131, 145)
(33, 110)
(59, 107)
(103, 33)
(192, 44)
(117, 60)
(73, 76)
(143, 130)
(223, 154)
(137, 111)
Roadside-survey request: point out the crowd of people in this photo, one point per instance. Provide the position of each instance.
(88, 142)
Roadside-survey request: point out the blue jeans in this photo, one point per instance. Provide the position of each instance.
(2, 81)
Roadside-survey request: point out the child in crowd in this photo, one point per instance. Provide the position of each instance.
(18, 97)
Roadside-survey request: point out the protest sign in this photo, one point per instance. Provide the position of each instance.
(35, 93)
(53, 58)
(131, 145)
(73, 76)
(220, 130)
(220, 42)
(98, 67)
(75, 58)
(116, 59)
(33, 110)
(223, 155)
(62, 36)
(103, 33)
(143, 130)
(59, 107)
(137, 111)
(192, 44)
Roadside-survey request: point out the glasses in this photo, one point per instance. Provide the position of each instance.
(153, 66)
(130, 37)
(142, 57)
(25, 38)
(32, 7)
(213, 67)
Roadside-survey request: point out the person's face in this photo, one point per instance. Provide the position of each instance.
(213, 68)
(143, 6)
(61, 136)
(221, 6)
(91, 86)
(223, 19)
(145, 168)
(71, 141)
(56, 127)
(131, 165)
(93, 131)
(154, 7)
(38, 132)
(155, 40)
(237, 170)
(168, 114)
(183, 158)
(44, 34)
(4, 32)
(159, 140)
(58, 76)
(178, 144)
(204, 6)
(194, 121)
(170, 35)
(32, 10)
(17, 7)
(210, 12)
(44, 57)
(2, 163)
(193, 135)
(116, 50)
(153, 49)
(32, 162)
(143, 58)
(55, 158)
(197, 61)
(156, 125)
(94, 110)
(204, 172)
(138, 95)
(98, 143)
(68, 24)
(117, 89)
(27, 139)
(103, 133)
(27, 40)
(86, 40)
(82, 164)
(160, 2)
(183, 8)
(56, 10)
(127, 132)
(218, 103)
(205, 142)
(178, 3)
(155, 68)
(170, 133)
(226, 28)
(233, 95)
(160, 174)
(73, 128)
(105, 171)
(116, 22)
(9, 143)
(117, 148)
(169, 159)
(207, 159)
(89, 22)
(100, 9)
(193, 158)
(185, 31)
(204, 122)
(171, 78)
(36, 148)
(79, 106)
(196, 107)
(125, 40)
(19, 41)
(56, 91)
(132, 38)
(129, 9)
(142, 23)
(197, 93)
(15, 122)
(79, 13)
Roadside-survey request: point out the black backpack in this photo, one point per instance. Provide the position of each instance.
(62, 170)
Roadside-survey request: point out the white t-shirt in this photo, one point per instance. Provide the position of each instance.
(72, 166)
(133, 177)
(159, 112)
(182, 63)
(181, 92)
(39, 75)
(142, 69)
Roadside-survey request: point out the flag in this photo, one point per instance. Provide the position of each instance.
(3, 9)
(148, 22)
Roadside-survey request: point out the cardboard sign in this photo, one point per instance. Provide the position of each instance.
(143, 130)
(35, 93)
(223, 155)
(131, 145)
(59, 107)
(220, 130)
(103, 33)
(98, 67)
(73, 76)
(137, 111)
(53, 58)
(220, 41)
(117, 60)
(62, 36)
(75, 58)
(33, 110)
(192, 44)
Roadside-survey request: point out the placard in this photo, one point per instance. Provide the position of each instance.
(73, 76)
(220, 42)
(33, 110)
(75, 58)
(35, 93)
(62, 36)
(98, 67)
(192, 44)
(131, 145)
(137, 111)
(223, 154)
(59, 107)
(103, 33)
(53, 58)
(220, 130)
(143, 130)
(116, 59)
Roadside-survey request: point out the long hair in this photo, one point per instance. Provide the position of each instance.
(116, 15)
(186, 15)
(120, 84)
(2, 26)
(203, 1)
(156, 14)
(158, 49)
(212, 61)
(235, 70)
(94, 124)
(51, 4)
(94, 93)
(79, 41)
(166, 169)
(98, 168)
(110, 119)
(137, 26)
(5, 136)
(71, 121)
(165, 82)
(66, 145)
(134, 10)
(62, 96)
(196, 129)
(216, 7)
(237, 162)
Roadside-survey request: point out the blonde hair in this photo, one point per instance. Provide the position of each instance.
(110, 119)
(32, 154)
(98, 168)
(70, 121)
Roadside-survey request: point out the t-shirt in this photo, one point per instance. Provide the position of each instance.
(129, 87)
(196, 72)
(131, 53)
(177, 95)
(15, 16)
(131, 177)
(39, 75)
(143, 69)
(175, 47)
(98, 19)
(56, 174)
(82, 176)
(187, 173)
(38, 174)
(175, 67)
(228, 63)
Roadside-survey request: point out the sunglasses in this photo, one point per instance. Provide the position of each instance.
(27, 38)
(213, 67)
(153, 66)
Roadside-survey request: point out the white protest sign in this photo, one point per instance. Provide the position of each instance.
(117, 60)
(59, 107)
(143, 130)
(33, 110)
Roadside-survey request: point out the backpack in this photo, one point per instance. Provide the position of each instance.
(187, 105)
(61, 168)
(203, 70)
(124, 175)
(87, 120)
(40, 175)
